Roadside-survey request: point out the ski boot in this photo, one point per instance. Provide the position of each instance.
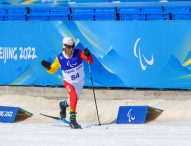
(73, 122)
(63, 106)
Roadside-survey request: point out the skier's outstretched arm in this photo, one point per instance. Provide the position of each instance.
(51, 68)
(86, 55)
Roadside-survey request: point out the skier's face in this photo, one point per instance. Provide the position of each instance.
(68, 49)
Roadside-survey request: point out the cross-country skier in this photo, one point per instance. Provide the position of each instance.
(70, 62)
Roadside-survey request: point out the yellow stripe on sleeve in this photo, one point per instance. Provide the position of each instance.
(54, 67)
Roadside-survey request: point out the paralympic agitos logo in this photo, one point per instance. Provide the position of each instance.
(130, 116)
(71, 64)
(142, 59)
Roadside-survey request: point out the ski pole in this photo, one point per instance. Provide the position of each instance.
(94, 92)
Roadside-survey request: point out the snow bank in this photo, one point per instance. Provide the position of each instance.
(108, 108)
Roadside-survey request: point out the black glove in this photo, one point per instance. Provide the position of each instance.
(87, 52)
(46, 64)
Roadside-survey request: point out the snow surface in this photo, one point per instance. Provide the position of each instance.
(57, 134)
(171, 128)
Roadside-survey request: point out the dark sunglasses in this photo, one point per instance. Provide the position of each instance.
(68, 46)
